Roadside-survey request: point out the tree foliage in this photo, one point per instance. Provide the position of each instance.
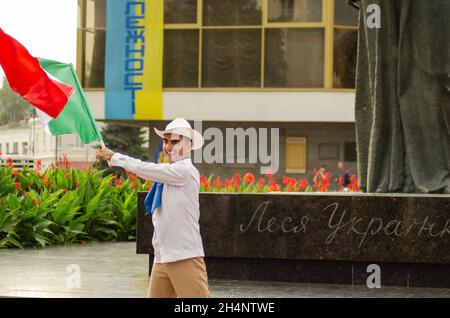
(124, 139)
(13, 108)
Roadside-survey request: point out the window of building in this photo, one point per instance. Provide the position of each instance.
(15, 148)
(93, 58)
(95, 16)
(295, 11)
(231, 58)
(7, 148)
(329, 151)
(350, 153)
(92, 35)
(232, 12)
(181, 58)
(345, 14)
(252, 44)
(1, 149)
(294, 58)
(44, 142)
(36, 143)
(24, 148)
(78, 143)
(345, 45)
(296, 155)
(180, 11)
(345, 40)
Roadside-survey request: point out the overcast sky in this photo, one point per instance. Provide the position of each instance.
(47, 28)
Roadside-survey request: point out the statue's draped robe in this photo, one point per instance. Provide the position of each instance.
(403, 97)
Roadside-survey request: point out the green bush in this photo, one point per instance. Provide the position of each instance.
(63, 205)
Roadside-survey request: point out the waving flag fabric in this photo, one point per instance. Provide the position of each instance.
(76, 116)
(52, 87)
(29, 80)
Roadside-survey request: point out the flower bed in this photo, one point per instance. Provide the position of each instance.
(269, 183)
(64, 205)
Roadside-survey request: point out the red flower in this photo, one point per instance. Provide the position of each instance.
(237, 178)
(77, 184)
(249, 177)
(292, 182)
(64, 162)
(260, 185)
(204, 182)
(228, 183)
(17, 185)
(117, 180)
(274, 187)
(217, 183)
(131, 176)
(39, 164)
(354, 186)
(302, 184)
(9, 162)
(289, 183)
(65, 190)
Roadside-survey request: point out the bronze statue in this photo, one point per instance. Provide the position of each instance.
(403, 96)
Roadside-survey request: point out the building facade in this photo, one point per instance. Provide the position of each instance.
(285, 64)
(27, 142)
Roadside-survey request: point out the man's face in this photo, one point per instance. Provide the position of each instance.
(174, 147)
(340, 166)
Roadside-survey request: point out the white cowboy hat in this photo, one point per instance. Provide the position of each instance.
(181, 126)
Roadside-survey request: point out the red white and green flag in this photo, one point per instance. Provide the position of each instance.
(52, 87)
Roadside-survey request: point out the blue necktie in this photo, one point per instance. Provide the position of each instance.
(153, 198)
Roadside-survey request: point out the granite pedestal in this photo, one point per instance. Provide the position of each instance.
(321, 238)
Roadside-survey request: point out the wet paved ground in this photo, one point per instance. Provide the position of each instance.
(115, 270)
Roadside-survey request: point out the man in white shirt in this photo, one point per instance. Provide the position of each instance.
(179, 269)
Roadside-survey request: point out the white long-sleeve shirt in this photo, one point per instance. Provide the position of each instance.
(176, 233)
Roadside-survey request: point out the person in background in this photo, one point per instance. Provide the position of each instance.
(344, 176)
(320, 174)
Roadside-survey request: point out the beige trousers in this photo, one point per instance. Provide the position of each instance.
(185, 279)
